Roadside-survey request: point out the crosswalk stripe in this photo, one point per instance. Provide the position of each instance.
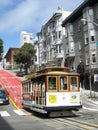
(20, 112)
(4, 113)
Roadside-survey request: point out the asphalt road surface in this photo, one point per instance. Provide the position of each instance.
(19, 119)
(12, 118)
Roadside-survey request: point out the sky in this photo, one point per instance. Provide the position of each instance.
(29, 16)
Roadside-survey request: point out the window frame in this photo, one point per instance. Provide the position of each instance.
(51, 90)
(93, 55)
(77, 79)
(64, 90)
(72, 46)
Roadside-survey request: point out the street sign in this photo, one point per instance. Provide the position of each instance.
(96, 43)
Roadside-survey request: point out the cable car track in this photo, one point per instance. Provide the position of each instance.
(69, 122)
(76, 123)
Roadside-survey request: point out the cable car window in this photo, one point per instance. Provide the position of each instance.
(51, 83)
(63, 83)
(73, 83)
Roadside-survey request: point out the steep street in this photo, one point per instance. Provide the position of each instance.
(12, 85)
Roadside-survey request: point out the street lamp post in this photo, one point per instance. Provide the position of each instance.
(89, 21)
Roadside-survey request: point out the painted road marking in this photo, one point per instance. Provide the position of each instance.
(91, 109)
(4, 113)
(20, 112)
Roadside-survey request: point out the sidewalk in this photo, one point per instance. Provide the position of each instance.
(89, 95)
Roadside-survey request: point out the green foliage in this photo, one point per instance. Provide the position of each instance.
(17, 57)
(25, 54)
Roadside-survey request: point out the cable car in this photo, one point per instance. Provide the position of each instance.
(54, 91)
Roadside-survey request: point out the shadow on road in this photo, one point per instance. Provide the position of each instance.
(4, 124)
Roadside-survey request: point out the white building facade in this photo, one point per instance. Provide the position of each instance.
(26, 38)
(50, 40)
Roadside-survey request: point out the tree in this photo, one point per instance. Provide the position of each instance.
(25, 55)
(1, 48)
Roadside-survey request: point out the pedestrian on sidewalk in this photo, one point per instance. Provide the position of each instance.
(81, 71)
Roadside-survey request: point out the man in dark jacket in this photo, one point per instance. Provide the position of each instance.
(81, 70)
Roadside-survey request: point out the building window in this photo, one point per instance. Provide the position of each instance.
(31, 38)
(87, 58)
(85, 17)
(60, 50)
(86, 38)
(90, 15)
(67, 49)
(92, 35)
(24, 38)
(59, 34)
(70, 30)
(92, 38)
(93, 57)
(71, 46)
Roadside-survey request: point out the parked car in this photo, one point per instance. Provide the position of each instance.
(20, 74)
(4, 99)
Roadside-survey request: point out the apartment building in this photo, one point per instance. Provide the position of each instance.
(81, 37)
(50, 44)
(26, 38)
(8, 60)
